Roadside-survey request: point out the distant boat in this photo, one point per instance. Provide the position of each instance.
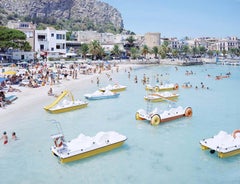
(162, 87)
(114, 88)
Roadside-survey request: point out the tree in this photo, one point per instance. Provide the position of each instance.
(133, 52)
(210, 53)
(195, 51)
(94, 47)
(175, 53)
(116, 51)
(13, 38)
(84, 50)
(224, 52)
(145, 50)
(155, 51)
(202, 50)
(130, 41)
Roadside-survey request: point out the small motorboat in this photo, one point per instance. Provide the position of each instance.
(224, 144)
(158, 116)
(64, 105)
(162, 87)
(158, 97)
(84, 146)
(114, 88)
(99, 95)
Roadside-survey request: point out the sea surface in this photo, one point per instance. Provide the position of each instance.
(168, 153)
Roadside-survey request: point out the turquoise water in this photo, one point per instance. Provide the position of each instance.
(168, 153)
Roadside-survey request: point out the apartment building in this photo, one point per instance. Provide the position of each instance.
(50, 42)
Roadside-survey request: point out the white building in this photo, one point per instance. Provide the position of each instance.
(50, 42)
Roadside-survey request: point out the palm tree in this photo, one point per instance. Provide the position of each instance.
(202, 50)
(84, 50)
(130, 41)
(195, 51)
(94, 48)
(175, 53)
(155, 51)
(116, 51)
(224, 52)
(133, 52)
(145, 50)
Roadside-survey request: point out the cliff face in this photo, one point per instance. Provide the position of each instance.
(94, 11)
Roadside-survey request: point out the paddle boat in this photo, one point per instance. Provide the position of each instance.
(158, 115)
(224, 144)
(84, 146)
(64, 105)
(162, 87)
(158, 97)
(114, 88)
(99, 95)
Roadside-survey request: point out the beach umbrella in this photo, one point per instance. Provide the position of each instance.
(9, 72)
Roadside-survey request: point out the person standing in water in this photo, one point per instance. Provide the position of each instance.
(5, 138)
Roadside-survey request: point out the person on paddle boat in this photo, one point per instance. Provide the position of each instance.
(5, 138)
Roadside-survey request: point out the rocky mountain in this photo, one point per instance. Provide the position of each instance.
(68, 14)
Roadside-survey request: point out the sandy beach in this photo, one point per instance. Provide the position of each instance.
(29, 97)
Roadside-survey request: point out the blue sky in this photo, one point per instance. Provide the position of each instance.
(180, 18)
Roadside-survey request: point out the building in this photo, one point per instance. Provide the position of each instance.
(152, 39)
(50, 42)
(26, 27)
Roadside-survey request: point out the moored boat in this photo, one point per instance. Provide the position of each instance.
(224, 144)
(114, 88)
(84, 146)
(158, 97)
(158, 116)
(64, 105)
(99, 95)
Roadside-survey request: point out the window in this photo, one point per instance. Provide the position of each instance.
(52, 35)
(41, 47)
(58, 46)
(41, 37)
(52, 49)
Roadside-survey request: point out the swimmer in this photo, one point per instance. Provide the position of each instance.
(5, 138)
(14, 136)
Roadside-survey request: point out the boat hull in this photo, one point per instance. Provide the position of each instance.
(90, 153)
(56, 111)
(101, 97)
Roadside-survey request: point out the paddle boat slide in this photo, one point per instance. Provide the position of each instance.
(158, 116)
(224, 144)
(64, 105)
(84, 146)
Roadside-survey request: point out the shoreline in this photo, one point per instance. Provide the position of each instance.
(39, 95)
